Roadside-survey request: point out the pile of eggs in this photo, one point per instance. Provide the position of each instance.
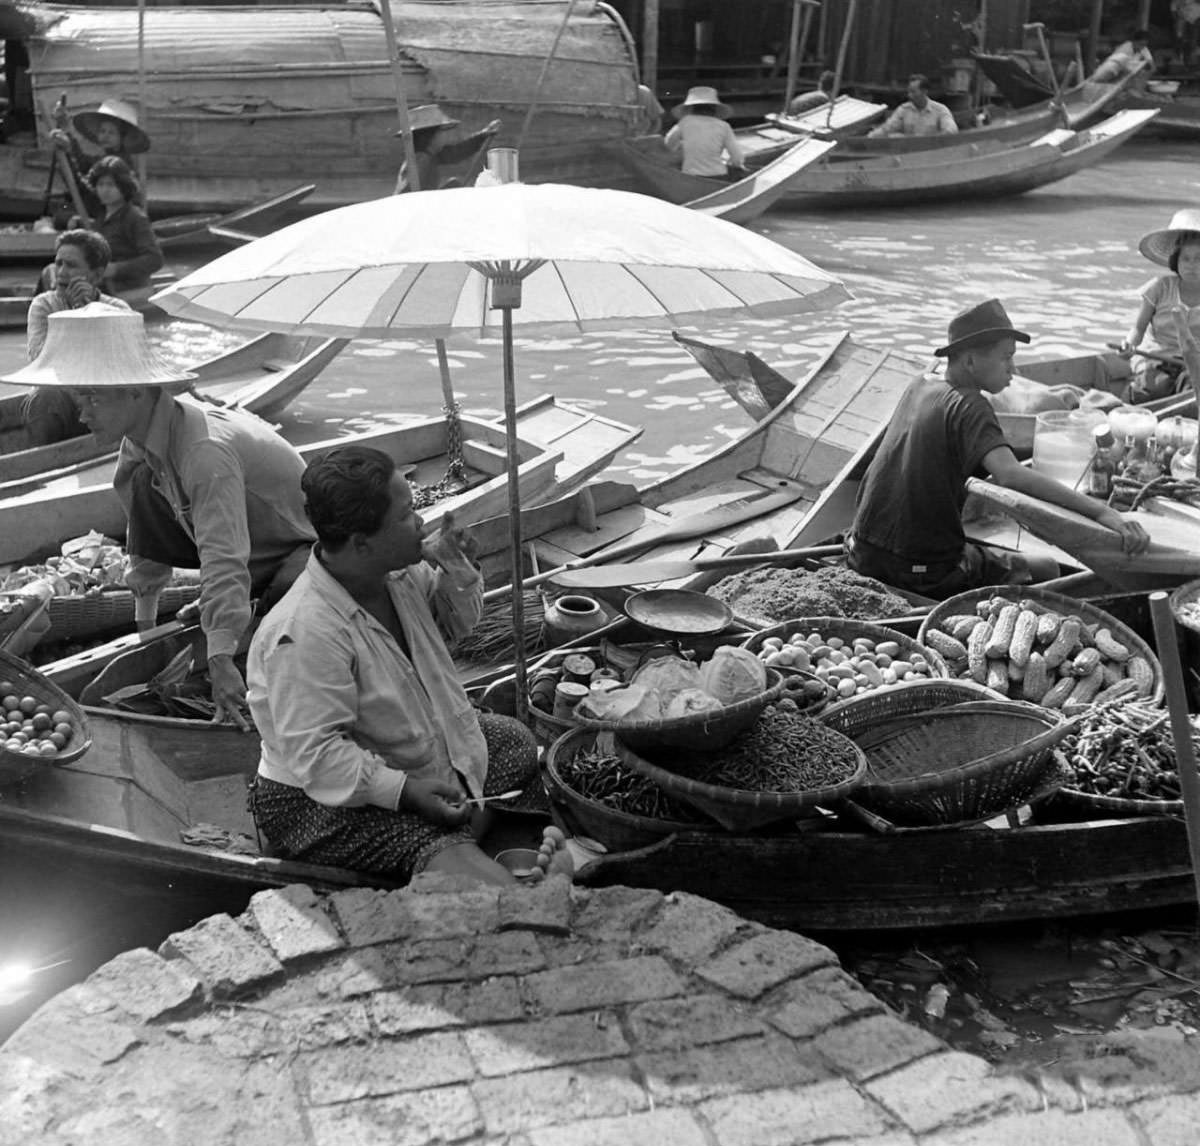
(846, 667)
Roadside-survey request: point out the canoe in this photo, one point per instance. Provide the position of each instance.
(846, 119)
(748, 198)
(263, 376)
(947, 174)
(1178, 116)
(244, 102)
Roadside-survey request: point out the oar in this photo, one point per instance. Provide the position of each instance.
(1153, 355)
(647, 572)
(711, 521)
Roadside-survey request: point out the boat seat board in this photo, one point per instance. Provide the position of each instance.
(618, 525)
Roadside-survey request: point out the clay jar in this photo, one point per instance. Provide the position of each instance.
(570, 616)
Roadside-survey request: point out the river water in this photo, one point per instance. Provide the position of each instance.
(1063, 260)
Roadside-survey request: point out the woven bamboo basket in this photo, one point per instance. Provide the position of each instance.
(77, 618)
(857, 714)
(737, 809)
(29, 682)
(963, 762)
(1043, 600)
(1073, 806)
(617, 830)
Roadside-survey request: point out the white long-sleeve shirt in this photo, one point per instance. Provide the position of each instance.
(704, 141)
(932, 119)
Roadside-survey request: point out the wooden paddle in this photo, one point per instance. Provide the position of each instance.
(647, 572)
(1153, 355)
(693, 525)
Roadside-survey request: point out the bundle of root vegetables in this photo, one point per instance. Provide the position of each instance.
(1029, 652)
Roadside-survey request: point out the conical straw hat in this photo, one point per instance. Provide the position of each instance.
(87, 123)
(97, 345)
(1159, 246)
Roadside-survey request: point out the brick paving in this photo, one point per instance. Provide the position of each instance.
(547, 1016)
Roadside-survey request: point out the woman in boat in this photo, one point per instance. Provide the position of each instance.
(112, 128)
(823, 95)
(135, 253)
(1176, 247)
(703, 138)
(908, 529)
(370, 747)
(434, 150)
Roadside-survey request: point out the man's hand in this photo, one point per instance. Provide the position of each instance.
(79, 292)
(228, 691)
(438, 801)
(1134, 539)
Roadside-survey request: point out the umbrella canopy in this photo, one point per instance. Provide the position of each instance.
(476, 259)
(408, 265)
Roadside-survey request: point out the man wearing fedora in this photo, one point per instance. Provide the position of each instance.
(203, 486)
(703, 138)
(908, 530)
(918, 115)
(433, 149)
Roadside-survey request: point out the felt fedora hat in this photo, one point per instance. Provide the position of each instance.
(702, 97)
(1159, 246)
(976, 324)
(88, 122)
(429, 115)
(97, 345)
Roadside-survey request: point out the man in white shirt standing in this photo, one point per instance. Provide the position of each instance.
(1131, 56)
(918, 115)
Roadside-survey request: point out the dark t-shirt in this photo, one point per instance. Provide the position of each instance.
(910, 503)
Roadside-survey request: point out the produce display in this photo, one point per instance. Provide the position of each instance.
(602, 777)
(1125, 750)
(846, 668)
(30, 727)
(1029, 652)
(88, 566)
(772, 595)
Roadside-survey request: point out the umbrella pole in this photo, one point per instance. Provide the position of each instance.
(520, 705)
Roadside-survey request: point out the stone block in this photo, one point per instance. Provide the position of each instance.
(690, 1076)
(869, 1046)
(386, 1066)
(439, 883)
(807, 1006)
(557, 1097)
(294, 923)
(511, 1048)
(693, 1020)
(224, 954)
(325, 1024)
(30, 1097)
(455, 960)
(764, 961)
(614, 914)
(1172, 1121)
(437, 1006)
(146, 985)
(689, 928)
(446, 1114)
(449, 914)
(545, 907)
(75, 1045)
(823, 1112)
(359, 973)
(587, 987)
(1053, 1128)
(653, 1128)
(367, 915)
(950, 1087)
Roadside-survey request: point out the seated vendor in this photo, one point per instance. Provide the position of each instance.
(111, 129)
(370, 746)
(819, 97)
(908, 529)
(918, 115)
(204, 487)
(135, 253)
(1133, 55)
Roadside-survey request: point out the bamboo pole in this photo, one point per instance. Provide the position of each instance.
(1181, 727)
(142, 117)
(650, 45)
(410, 152)
(537, 92)
(1093, 41)
(841, 58)
(797, 44)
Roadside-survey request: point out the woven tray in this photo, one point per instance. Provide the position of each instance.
(77, 618)
(1044, 600)
(30, 682)
(954, 764)
(616, 830)
(1073, 806)
(856, 714)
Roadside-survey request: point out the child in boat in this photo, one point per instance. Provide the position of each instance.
(703, 138)
(908, 529)
(135, 253)
(1176, 247)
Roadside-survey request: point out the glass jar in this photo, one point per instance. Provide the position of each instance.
(1063, 444)
(1132, 422)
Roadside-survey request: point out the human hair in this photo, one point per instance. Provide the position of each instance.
(95, 248)
(118, 171)
(346, 491)
(1183, 240)
(922, 81)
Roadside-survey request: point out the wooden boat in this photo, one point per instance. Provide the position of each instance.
(1178, 115)
(262, 376)
(15, 300)
(49, 508)
(950, 173)
(1026, 94)
(243, 102)
(748, 198)
(845, 119)
(25, 243)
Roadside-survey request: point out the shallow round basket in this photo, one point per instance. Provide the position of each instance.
(30, 682)
(737, 809)
(962, 762)
(1073, 806)
(681, 611)
(617, 830)
(701, 731)
(1185, 605)
(857, 714)
(1043, 600)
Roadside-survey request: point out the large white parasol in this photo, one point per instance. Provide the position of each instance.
(546, 257)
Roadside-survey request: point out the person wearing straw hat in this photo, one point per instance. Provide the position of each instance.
(1176, 247)
(703, 138)
(370, 747)
(113, 128)
(434, 150)
(203, 486)
(908, 529)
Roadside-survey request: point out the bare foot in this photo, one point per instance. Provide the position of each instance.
(553, 857)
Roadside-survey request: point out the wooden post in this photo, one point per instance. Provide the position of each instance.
(1181, 727)
(797, 44)
(410, 152)
(1093, 41)
(1143, 20)
(142, 117)
(841, 57)
(650, 45)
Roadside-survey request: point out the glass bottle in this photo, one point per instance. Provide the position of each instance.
(1135, 454)
(1103, 466)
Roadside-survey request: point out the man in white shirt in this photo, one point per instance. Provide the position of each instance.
(1131, 56)
(703, 138)
(918, 115)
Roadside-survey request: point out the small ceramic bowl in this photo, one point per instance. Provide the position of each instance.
(522, 862)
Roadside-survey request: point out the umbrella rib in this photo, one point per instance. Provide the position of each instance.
(567, 295)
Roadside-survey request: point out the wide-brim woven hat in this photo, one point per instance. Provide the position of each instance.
(702, 96)
(429, 115)
(978, 324)
(94, 346)
(1159, 246)
(88, 122)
